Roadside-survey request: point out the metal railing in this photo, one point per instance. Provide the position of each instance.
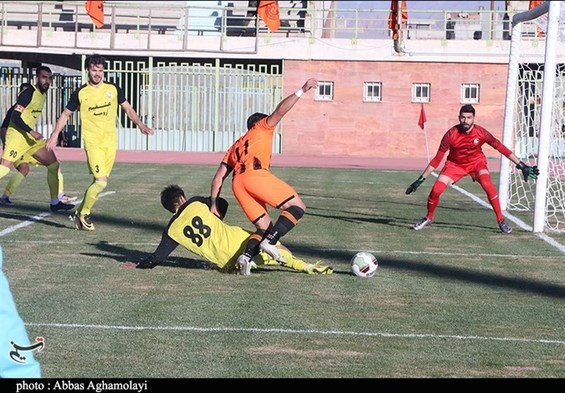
(167, 27)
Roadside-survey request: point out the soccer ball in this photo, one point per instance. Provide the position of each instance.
(364, 264)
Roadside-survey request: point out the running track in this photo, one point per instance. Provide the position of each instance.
(280, 160)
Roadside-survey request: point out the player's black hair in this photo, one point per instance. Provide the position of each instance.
(94, 59)
(467, 109)
(42, 68)
(254, 118)
(170, 197)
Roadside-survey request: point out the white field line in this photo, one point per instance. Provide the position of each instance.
(152, 245)
(278, 330)
(39, 217)
(292, 331)
(549, 240)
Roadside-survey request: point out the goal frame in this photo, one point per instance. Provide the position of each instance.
(552, 8)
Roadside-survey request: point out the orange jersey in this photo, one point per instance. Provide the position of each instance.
(251, 151)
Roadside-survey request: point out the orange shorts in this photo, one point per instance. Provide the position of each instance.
(257, 188)
(456, 172)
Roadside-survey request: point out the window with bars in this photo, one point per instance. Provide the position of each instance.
(421, 92)
(470, 93)
(325, 91)
(372, 91)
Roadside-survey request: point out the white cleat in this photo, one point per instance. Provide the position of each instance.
(272, 250)
(424, 221)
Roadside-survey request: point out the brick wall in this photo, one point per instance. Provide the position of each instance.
(349, 126)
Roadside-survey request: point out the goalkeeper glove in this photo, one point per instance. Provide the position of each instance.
(529, 172)
(414, 186)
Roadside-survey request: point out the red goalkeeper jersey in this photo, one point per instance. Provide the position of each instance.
(465, 149)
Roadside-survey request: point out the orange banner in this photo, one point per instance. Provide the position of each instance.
(534, 4)
(95, 9)
(269, 12)
(393, 17)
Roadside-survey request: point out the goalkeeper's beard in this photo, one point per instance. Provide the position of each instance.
(465, 127)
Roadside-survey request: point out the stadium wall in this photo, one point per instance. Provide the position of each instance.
(349, 126)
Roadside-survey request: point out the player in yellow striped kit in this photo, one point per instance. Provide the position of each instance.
(197, 229)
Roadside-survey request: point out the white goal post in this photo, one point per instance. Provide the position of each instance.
(534, 118)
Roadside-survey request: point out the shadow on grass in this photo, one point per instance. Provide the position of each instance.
(465, 275)
(123, 254)
(404, 223)
(27, 211)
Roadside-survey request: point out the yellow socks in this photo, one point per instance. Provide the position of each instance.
(15, 181)
(91, 196)
(61, 185)
(53, 179)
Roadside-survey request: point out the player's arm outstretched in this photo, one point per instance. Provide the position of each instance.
(285, 105)
(164, 249)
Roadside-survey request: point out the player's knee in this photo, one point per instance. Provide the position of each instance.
(23, 169)
(296, 211)
(437, 189)
(301, 205)
(295, 201)
(53, 167)
(100, 185)
(484, 179)
(262, 222)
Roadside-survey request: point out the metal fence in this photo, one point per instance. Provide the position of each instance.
(193, 107)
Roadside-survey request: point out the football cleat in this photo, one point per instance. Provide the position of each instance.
(5, 201)
(318, 268)
(424, 221)
(82, 222)
(146, 264)
(67, 199)
(504, 228)
(61, 206)
(272, 250)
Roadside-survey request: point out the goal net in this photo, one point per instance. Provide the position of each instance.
(534, 119)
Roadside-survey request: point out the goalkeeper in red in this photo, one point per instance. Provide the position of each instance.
(464, 143)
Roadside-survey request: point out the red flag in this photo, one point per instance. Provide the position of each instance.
(393, 17)
(422, 120)
(95, 9)
(269, 12)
